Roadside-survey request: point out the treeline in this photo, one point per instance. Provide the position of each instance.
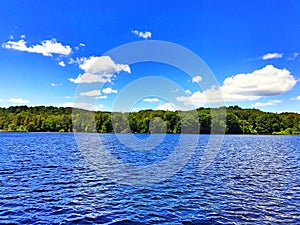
(236, 121)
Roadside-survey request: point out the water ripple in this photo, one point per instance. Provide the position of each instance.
(254, 179)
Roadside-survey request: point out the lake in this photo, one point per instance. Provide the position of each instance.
(44, 178)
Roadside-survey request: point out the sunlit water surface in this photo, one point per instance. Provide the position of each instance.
(45, 179)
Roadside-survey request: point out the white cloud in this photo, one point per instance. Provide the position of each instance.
(68, 97)
(89, 78)
(18, 100)
(269, 103)
(56, 85)
(74, 61)
(102, 64)
(82, 105)
(294, 56)
(188, 92)
(62, 63)
(272, 56)
(1, 100)
(167, 106)
(23, 36)
(101, 97)
(46, 48)
(90, 93)
(197, 79)
(268, 81)
(297, 98)
(109, 91)
(80, 45)
(99, 107)
(197, 98)
(145, 35)
(66, 104)
(151, 100)
(98, 69)
(77, 60)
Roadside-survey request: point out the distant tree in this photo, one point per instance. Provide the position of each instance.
(238, 121)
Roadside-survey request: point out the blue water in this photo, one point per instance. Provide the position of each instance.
(44, 179)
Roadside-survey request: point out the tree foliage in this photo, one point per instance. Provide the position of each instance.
(54, 119)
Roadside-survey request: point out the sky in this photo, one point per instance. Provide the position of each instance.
(62, 53)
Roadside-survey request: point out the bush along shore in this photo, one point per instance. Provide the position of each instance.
(65, 119)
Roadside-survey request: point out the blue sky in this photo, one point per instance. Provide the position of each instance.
(49, 49)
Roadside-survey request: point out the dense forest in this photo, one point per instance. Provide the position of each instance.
(237, 121)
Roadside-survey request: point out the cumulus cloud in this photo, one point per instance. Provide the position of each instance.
(68, 97)
(109, 91)
(296, 98)
(200, 98)
(66, 104)
(55, 85)
(268, 81)
(18, 100)
(89, 78)
(150, 100)
(75, 61)
(99, 107)
(145, 34)
(62, 64)
(98, 69)
(294, 56)
(80, 46)
(272, 56)
(167, 107)
(90, 93)
(82, 105)
(269, 103)
(197, 79)
(102, 64)
(188, 92)
(46, 48)
(23, 36)
(101, 97)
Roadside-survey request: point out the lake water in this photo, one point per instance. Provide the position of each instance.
(45, 179)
